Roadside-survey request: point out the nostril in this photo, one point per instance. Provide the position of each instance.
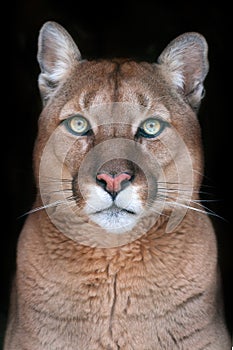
(106, 181)
(113, 183)
(101, 181)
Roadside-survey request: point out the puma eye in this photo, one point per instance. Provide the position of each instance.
(151, 127)
(78, 125)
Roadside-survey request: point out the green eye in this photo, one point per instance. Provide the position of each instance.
(151, 127)
(78, 125)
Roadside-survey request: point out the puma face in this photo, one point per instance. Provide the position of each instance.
(116, 180)
(118, 139)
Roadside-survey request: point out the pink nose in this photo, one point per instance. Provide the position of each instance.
(113, 183)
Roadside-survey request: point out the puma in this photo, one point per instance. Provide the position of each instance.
(117, 251)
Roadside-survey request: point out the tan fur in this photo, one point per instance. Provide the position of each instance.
(79, 286)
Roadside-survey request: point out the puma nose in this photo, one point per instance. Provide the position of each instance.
(113, 183)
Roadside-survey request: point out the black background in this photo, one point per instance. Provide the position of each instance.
(101, 29)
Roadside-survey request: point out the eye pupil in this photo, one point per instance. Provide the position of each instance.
(151, 126)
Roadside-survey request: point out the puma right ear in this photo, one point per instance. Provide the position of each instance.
(56, 56)
(184, 61)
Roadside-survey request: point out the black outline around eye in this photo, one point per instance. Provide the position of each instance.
(141, 132)
(67, 125)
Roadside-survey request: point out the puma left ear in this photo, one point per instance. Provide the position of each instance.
(185, 62)
(56, 56)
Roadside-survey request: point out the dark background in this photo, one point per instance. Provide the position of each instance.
(101, 29)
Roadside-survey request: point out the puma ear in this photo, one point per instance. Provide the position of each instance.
(56, 56)
(185, 62)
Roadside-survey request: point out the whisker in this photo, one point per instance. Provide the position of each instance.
(173, 189)
(170, 190)
(205, 209)
(183, 184)
(176, 203)
(51, 180)
(57, 178)
(202, 174)
(204, 200)
(174, 183)
(73, 200)
(57, 191)
(50, 205)
(149, 205)
(164, 189)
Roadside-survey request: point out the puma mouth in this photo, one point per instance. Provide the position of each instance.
(114, 219)
(115, 210)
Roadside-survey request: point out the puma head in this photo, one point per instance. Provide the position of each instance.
(119, 141)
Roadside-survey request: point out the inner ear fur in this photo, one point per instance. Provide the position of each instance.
(184, 61)
(56, 56)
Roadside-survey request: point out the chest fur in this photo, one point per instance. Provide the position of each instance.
(126, 297)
